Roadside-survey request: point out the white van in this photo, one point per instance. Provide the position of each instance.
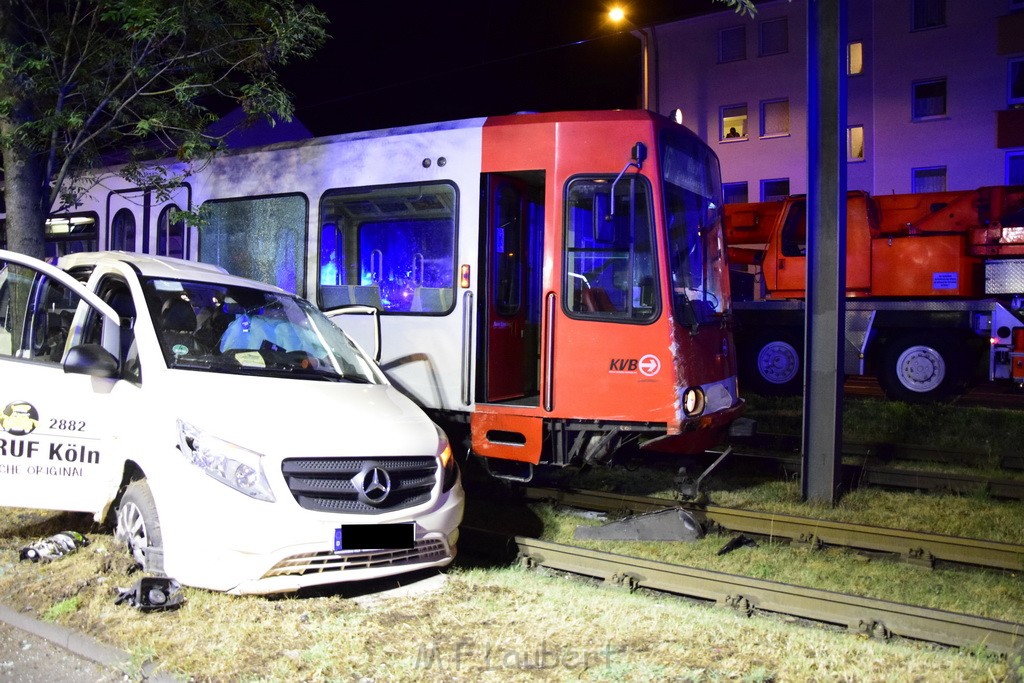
(236, 438)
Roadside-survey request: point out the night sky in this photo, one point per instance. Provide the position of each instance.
(397, 63)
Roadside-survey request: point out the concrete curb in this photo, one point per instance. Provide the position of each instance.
(80, 644)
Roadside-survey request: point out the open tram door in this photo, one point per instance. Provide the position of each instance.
(507, 385)
(512, 273)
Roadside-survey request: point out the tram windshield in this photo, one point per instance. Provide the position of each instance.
(693, 213)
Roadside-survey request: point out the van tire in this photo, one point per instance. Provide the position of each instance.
(138, 527)
(922, 368)
(772, 363)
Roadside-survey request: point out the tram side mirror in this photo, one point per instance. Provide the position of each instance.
(604, 221)
(639, 154)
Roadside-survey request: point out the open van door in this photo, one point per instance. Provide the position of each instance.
(56, 412)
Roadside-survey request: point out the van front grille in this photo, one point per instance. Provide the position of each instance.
(360, 485)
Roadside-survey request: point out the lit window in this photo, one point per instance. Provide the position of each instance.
(929, 99)
(1015, 168)
(735, 193)
(932, 179)
(928, 14)
(855, 143)
(1016, 82)
(734, 122)
(774, 118)
(775, 189)
(855, 58)
(774, 37)
(732, 44)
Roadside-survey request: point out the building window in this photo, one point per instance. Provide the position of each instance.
(1015, 168)
(928, 14)
(855, 143)
(775, 189)
(929, 99)
(1016, 82)
(734, 122)
(732, 44)
(855, 58)
(931, 179)
(774, 118)
(774, 37)
(735, 193)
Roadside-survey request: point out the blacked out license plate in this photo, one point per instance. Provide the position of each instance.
(374, 536)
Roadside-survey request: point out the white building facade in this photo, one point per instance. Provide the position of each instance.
(935, 94)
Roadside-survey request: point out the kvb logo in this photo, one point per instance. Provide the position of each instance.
(647, 365)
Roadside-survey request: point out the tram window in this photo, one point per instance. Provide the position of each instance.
(392, 247)
(170, 240)
(609, 251)
(261, 238)
(122, 231)
(70, 234)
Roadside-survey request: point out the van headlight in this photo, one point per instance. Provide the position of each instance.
(447, 458)
(238, 467)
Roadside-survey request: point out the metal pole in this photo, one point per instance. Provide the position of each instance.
(826, 254)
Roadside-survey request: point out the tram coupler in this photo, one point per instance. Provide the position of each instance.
(674, 524)
(688, 488)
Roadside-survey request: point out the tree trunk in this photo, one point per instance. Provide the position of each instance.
(26, 190)
(23, 184)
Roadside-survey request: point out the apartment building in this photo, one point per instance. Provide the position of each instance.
(935, 94)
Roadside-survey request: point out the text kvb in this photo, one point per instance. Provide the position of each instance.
(624, 365)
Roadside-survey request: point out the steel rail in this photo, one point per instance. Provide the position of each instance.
(908, 479)
(869, 616)
(914, 546)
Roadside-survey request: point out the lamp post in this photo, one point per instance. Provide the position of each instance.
(648, 47)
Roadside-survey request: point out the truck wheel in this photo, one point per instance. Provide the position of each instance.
(773, 364)
(919, 368)
(139, 527)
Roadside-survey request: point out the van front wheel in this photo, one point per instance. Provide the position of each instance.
(139, 527)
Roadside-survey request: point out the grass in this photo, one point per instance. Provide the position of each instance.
(499, 622)
(992, 431)
(484, 624)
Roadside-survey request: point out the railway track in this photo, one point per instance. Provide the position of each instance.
(867, 474)
(868, 616)
(984, 394)
(913, 546)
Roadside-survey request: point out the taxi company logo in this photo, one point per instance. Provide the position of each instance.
(375, 485)
(19, 418)
(647, 365)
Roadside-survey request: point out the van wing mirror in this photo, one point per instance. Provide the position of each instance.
(92, 360)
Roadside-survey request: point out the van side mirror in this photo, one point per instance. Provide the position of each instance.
(91, 359)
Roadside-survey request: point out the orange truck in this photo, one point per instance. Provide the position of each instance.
(934, 287)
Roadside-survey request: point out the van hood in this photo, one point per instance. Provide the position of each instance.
(288, 418)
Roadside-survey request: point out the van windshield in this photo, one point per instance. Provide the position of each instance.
(229, 328)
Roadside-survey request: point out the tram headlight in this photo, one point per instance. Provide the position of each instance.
(693, 402)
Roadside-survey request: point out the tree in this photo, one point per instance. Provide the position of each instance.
(80, 79)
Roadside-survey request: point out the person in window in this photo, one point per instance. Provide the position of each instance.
(732, 133)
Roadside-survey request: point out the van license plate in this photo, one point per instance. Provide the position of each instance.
(374, 536)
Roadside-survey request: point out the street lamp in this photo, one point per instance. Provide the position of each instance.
(649, 50)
